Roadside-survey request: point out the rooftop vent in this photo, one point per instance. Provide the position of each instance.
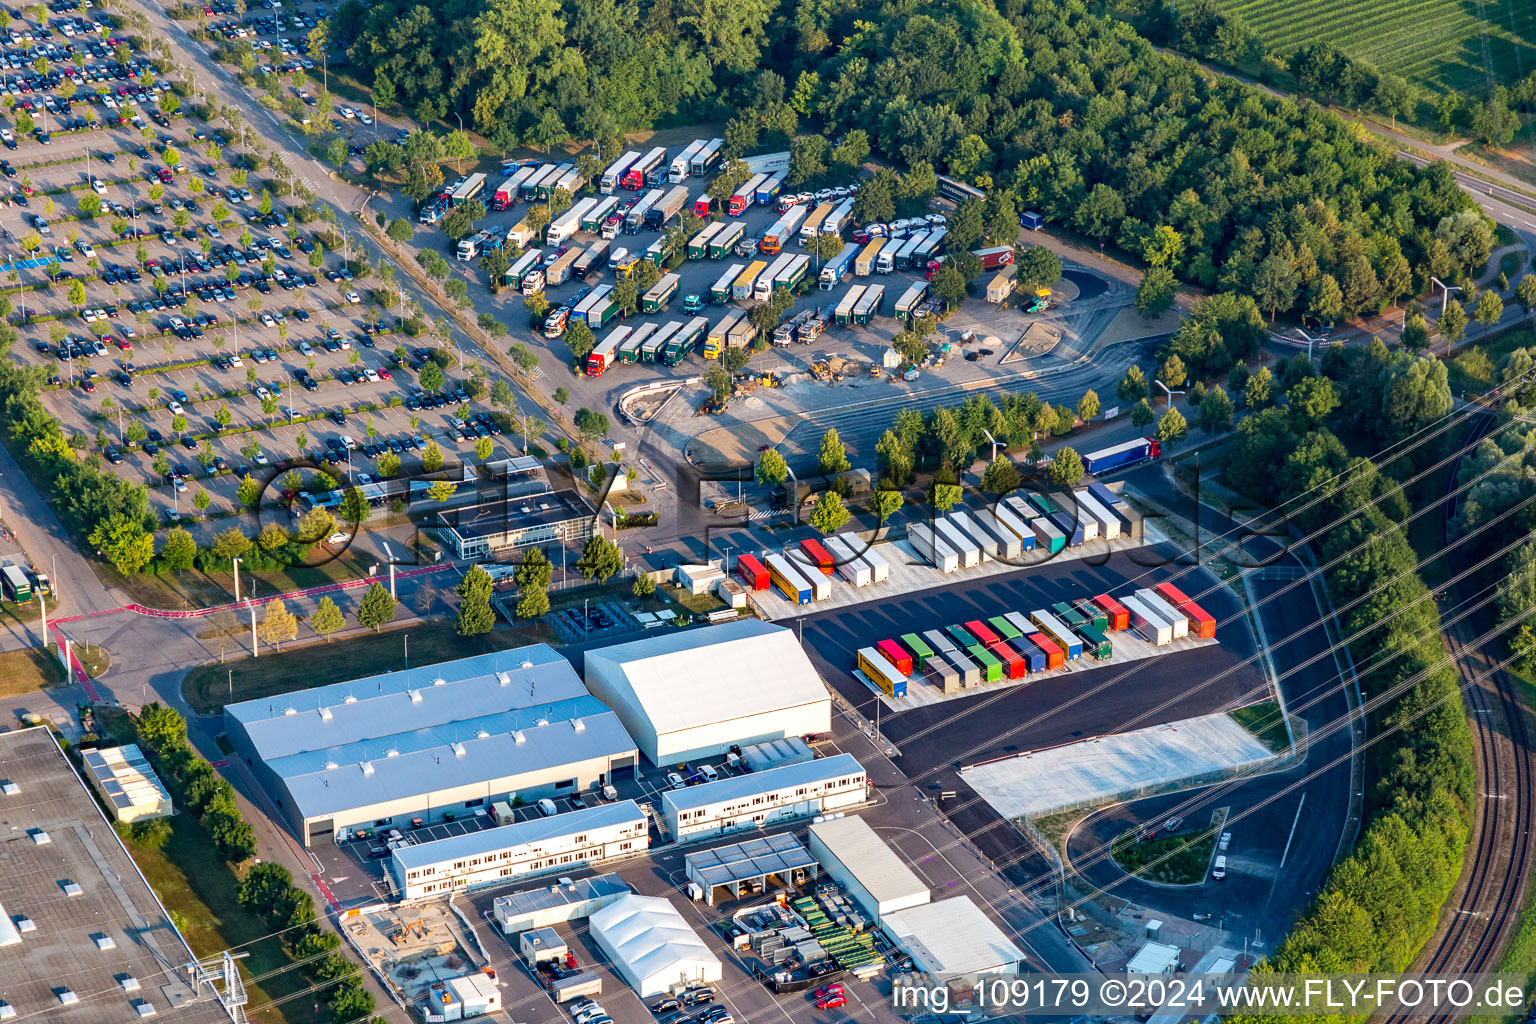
(40, 837)
(350, 699)
(67, 996)
(104, 941)
(367, 767)
(129, 982)
(527, 663)
(439, 681)
(391, 752)
(415, 696)
(25, 924)
(331, 766)
(325, 714)
(9, 788)
(458, 749)
(542, 721)
(482, 735)
(504, 678)
(290, 711)
(144, 1008)
(578, 725)
(71, 888)
(7, 1011)
(518, 737)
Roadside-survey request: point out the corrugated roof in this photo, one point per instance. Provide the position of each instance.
(761, 782)
(771, 855)
(521, 833)
(580, 890)
(952, 936)
(883, 874)
(676, 677)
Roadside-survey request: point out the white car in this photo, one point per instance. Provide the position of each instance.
(305, 350)
(337, 538)
(364, 478)
(347, 442)
(86, 249)
(174, 406)
(353, 297)
(365, 118)
(347, 112)
(674, 780)
(236, 361)
(98, 186)
(262, 392)
(7, 135)
(260, 458)
(267, 321)
(372, 375)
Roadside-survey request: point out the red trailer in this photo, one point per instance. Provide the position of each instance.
(1200, 622)
(818, 555)
(1017, 667)
(752, 572)
(1119, 616)
(896, 654)
(982, 632)
(1172, 594)
(1055, 657)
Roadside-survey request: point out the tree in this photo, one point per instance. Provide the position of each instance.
(944, 496)
(354, 509)
(600, 560)
(580, 339)
(178, 551)
(1325, 300)
(1066, 469)
(532, 603)
(230, 543)
(1157, 291)
(1275, 284)
(377, 608)
(1415, 333)
(1488, 309)
(534, 571)
(771, 468)
(833, 457)
(643, 587)
(431, 376)
(1215, 411)
(1088, 405)
(718, 380)
(278, 624)
(1037, 266)
(591, 424)
(1171, 428)
(1525, 292)
(483, 448)
(1142, 414)
(441, 491)
(327, 619)
(475, 615)
(272, 537)
(1259, 392)
(1453, 323)
(885, 503)
(1172, 373)
(432, 457)
(1000, 476)
(830, 513)
(400, 230)
(949, 287)
(1133, 385)
(124, 541)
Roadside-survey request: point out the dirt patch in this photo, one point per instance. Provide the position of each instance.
(1130, 325)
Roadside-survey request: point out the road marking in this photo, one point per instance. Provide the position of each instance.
(1296, 821)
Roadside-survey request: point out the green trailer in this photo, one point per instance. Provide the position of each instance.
(921, 652)
(1045, 505)
(1004, 628)
(991, 667)
(1094, 614)
(725, 241)
(961, 636)
(602, 314)
(1071, 616)
(685, 341)
(698, 245)
(1095, 644)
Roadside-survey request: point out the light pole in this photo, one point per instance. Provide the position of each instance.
(1169, 392)
(407, 650)
(1445, 293)
(1309, 340)
(231, 684)
(236, 564)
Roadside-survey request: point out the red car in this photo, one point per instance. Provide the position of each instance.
(831, 1003)
(125, 345)
(828, 990)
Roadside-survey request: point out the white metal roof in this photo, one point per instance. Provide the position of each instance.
(1153, 958)
(649, 937)
(768, 780)
(682, 680)
(883, 874)
(952, 936)
(506, 837)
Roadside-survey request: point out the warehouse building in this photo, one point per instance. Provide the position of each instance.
(764, 798)
(560, 842)
(126, 783)
(429, 744)
(652, 947)
(569, 899)
(696, 693)
(491, 528)
(953, 938)
(849, 851)
(747, 869)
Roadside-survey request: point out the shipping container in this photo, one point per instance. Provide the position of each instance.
(868, 306)
(968, 550)
(762, 287)
(789, 581)
(1166, 610)
(1004, 629)
(743, 198)
(902, 257)
(1047, 535)
(752, 573)
(1055, 657)
(943, 675)
(720, 291)
(1014, 666)
(879, 570)
(529, 189)
(913, 297)
(724, 243)
(1034, 658)
(1068, 614)
(681, 165)
(698, 245)
(1020, 623)
(984, 538)
(615, 172)
(629, 352)
(970, 672)
(688, 337)
(1087, 524)
(17, 585)
(934, 547)
(703, 206)
(864, 263)
(1132, 524)
(472, 187)
(838, 219)
(1001, 286)
(1095, 643)
(921, 652)
(1020, 507)
(881, 672)
(939, 641)
(1148, 623)
(1095, 616)
(814, 555)
(586, 309)
(667, 207)
(982, 632)
(897, 655)
(636, 175)
(1054, 628)
(525, 265)
(850, 566)
(1127, 453)
(1119, 616)
(789, 277)
(1087, 504)
(1068, 526)
(1031, 220)
(706, 158)
(1202, 625)
(842, 315)
(991, 665)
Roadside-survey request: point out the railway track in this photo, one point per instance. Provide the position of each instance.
(1490, 897)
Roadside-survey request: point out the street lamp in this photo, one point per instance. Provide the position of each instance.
(1169, 392)
(407, 650)
(236, 564)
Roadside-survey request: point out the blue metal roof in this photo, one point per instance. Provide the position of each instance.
(761, 782)
(504, 837)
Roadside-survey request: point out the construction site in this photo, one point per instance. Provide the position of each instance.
(416, 950)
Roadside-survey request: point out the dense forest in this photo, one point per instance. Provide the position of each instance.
(1076, 115)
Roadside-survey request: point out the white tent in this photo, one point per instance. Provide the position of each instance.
(652, 946)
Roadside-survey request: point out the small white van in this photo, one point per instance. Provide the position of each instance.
(1219, 868)
(547, 807)
(709, 773)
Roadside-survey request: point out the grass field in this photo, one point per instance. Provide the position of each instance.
(1188, 856)
(1442, 45)
(207, 687)
(28, 670)
(1266, 723)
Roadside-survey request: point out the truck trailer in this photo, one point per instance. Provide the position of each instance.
(669, 206)
(1127, 453)
(705, 159)
(931, 546)
(636, 174)
(746, 196)
(615, 172)
(720, 291)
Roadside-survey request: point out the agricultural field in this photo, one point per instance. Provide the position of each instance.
(1441, 45)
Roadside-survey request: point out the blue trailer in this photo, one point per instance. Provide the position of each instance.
(1070, 528)
(1104, 495)
(1128, 453)
(768, 188)
(1033, 221)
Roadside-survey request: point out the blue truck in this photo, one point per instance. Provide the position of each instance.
(1128, 453)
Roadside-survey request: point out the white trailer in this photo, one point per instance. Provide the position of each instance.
(838, 219)
(1070, 508)
(879, 570)
(1109, 524)
(1148, 623)
(849, 565)
(931, 546)
(705, 158)
(1008, 542)
(1173, 616)
(569, 222)
(615, 171)
(1007, 517)
(968, 550)
(1016, 504)
(984, 541)
(682, 164)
